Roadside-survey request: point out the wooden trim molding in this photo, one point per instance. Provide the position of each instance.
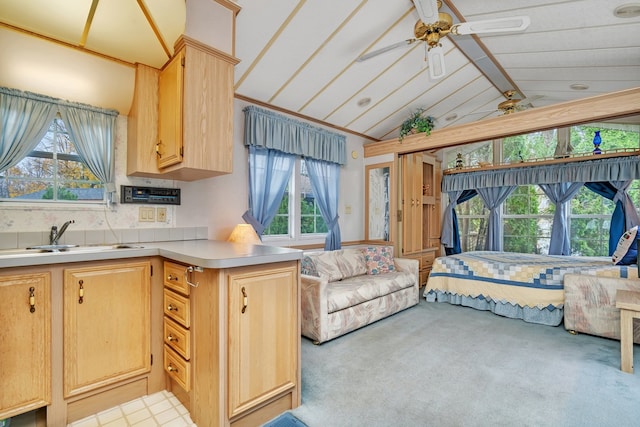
(601, 107)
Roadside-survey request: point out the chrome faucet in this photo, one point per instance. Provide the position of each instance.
(55, 235)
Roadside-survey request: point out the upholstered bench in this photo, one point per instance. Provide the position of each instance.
(590, 304)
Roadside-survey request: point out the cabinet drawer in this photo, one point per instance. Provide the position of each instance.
(177, 337)
(177, 307)
(427, 259)
(177, 368)
(174, 278)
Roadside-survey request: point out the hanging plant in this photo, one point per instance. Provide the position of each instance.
(416, 123)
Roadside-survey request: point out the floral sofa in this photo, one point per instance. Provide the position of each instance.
(347, 289)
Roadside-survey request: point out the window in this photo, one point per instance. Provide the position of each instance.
(527, 219)
(527, 213)
(53, 171)
(298, 214)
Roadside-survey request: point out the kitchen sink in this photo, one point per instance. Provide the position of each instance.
(77, 248)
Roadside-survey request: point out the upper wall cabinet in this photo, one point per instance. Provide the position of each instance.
(185, 132)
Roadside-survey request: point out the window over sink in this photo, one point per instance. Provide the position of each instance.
(53, 171)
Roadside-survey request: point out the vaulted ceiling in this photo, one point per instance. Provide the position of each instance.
(301, 56)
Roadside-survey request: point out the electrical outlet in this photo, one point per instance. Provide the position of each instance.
(146, 214)
(161, 214)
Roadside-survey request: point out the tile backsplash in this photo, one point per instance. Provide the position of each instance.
(23, 239)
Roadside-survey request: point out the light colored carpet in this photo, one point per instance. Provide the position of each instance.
(441, 365)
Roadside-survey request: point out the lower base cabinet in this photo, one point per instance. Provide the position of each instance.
(107, 325)
(245, 345)
(25, 338)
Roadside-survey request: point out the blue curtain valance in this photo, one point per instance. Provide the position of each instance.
(597, 170)
(56, 101)
(263, 128)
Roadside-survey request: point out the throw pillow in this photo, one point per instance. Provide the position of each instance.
(327, 265)
(626, 252)
(308, 267)
(379, 259)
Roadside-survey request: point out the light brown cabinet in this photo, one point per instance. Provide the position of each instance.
(107, 327)
(262, 334)
(184, 130)
(244, 351)
(420, 227)
(25, 343)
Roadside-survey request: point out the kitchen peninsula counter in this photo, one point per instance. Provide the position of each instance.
(221, 318)
(203, 253)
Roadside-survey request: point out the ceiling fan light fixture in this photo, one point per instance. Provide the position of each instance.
(579, 86)
(630, 10)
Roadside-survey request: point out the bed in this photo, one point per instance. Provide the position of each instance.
(515, 285)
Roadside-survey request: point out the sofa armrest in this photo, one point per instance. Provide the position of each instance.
(313, 304)
(410, 265)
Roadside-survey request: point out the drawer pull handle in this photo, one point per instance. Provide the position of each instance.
(32, 299)
(81, 292)
(171, 338)
(172, 308)
(172, 368)
(172, 277)
(245, 300)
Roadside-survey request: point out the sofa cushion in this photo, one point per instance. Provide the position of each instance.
(339, 264)
(359, 289)
(379, 259)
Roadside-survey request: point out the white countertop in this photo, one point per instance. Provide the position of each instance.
(202, 253)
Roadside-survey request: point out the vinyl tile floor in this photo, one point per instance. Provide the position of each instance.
(158, 409)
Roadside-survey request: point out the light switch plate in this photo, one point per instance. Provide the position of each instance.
(146, 214)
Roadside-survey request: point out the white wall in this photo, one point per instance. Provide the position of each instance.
(219, 202)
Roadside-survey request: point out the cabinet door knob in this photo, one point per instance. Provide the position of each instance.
(32, 299)
(245, 300)
(172, 368)
(171, 307)
(81, 292)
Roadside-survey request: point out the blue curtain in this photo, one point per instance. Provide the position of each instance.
(597, 170)
(24, 120)
(560, 193)
(450, 236)
(325, 183)
(624, 215)
(267, 129)
(93, 135)
(269, 172)
(493, 198)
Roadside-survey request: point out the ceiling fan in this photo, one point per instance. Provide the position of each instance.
(434, 25)
(510, 105)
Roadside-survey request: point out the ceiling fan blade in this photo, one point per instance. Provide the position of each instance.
(427, 10)
(500, 25)
(435, 57)
(384, 49)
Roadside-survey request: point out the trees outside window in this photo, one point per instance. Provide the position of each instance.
(53, 171)
(298, 214)
(527, 214)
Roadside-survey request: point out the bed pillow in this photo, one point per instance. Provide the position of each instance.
(626, 252)
(379, 259)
